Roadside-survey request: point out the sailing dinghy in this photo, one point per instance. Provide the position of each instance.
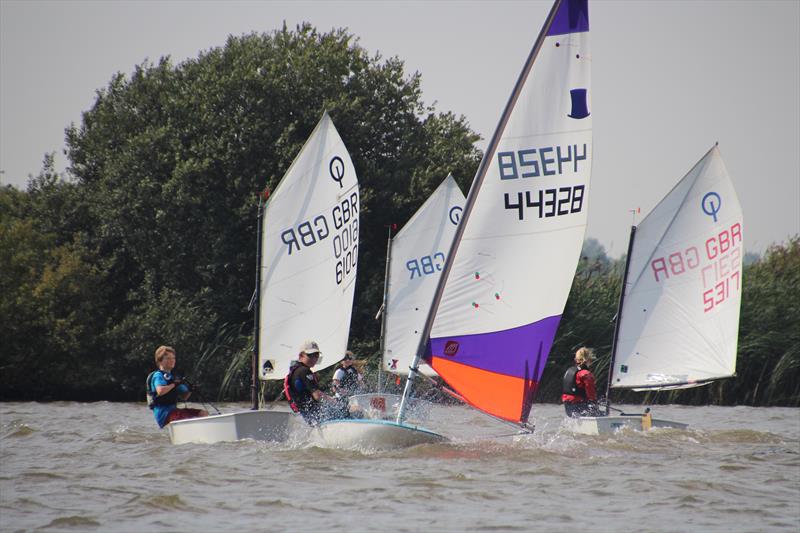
(507, 276)
(308, 250)
(414, 261)
(418, 255)
(678, 317)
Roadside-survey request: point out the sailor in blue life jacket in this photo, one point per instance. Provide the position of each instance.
(303, 392)
(165, 389)
(579, 394)
(347, 378)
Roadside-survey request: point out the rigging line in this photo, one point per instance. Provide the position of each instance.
(195, 392)
(204, 402)
(252, 301)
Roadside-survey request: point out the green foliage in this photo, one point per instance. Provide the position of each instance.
(167, 317)
(52, 303)
(768, 372)
(161, 208)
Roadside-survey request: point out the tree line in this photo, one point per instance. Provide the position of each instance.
(150, 237)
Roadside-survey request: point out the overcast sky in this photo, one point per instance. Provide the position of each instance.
(670, 78)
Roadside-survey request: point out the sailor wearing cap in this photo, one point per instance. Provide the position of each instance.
(302, 385)
(347, 378)
(303, 391)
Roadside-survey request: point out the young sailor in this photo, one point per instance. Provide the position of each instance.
(303, 392)
(579, 393)
(347, 378)
(165, 389)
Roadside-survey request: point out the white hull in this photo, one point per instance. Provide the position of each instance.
(273, 426)
(604, 425)
(374, 435)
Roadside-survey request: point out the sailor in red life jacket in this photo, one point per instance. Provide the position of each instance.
(579, 393)
(303, 392)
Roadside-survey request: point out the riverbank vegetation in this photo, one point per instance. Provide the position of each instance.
(150, 238)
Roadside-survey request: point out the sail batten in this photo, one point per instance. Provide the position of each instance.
(511, 266)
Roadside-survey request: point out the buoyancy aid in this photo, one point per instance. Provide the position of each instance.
(570, 385)
(287, 389)
(153, 398)
(302, 398)
(350, 381)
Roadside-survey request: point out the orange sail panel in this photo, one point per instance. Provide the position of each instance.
(503, 396)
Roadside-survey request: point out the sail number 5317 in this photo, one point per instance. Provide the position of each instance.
(547, 202)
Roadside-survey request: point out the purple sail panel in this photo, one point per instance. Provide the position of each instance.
(572, 17)
(512, 352)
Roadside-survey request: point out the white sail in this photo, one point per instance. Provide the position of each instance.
(680, 318)
(418, 254)
(309, 255)
(523, 228)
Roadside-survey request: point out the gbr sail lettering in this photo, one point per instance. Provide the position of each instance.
(544, 202)
(718, 261)
(342, 223)
(426, 265)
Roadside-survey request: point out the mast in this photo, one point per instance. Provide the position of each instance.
(257, 305)
(382, 311)
(619, 317)
(480, 175)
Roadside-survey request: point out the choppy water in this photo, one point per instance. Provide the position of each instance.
(107, 467)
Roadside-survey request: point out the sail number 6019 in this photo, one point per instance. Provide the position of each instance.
(547, 202)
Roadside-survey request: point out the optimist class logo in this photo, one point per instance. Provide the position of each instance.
(455, 214)
(711, 204)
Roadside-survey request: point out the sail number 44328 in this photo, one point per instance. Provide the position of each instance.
(549, 202)
(540, 162)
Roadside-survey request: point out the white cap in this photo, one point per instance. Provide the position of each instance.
(310, 347)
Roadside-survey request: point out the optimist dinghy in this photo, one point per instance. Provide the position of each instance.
(678, 318)
(307, 256)
(414, 261)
